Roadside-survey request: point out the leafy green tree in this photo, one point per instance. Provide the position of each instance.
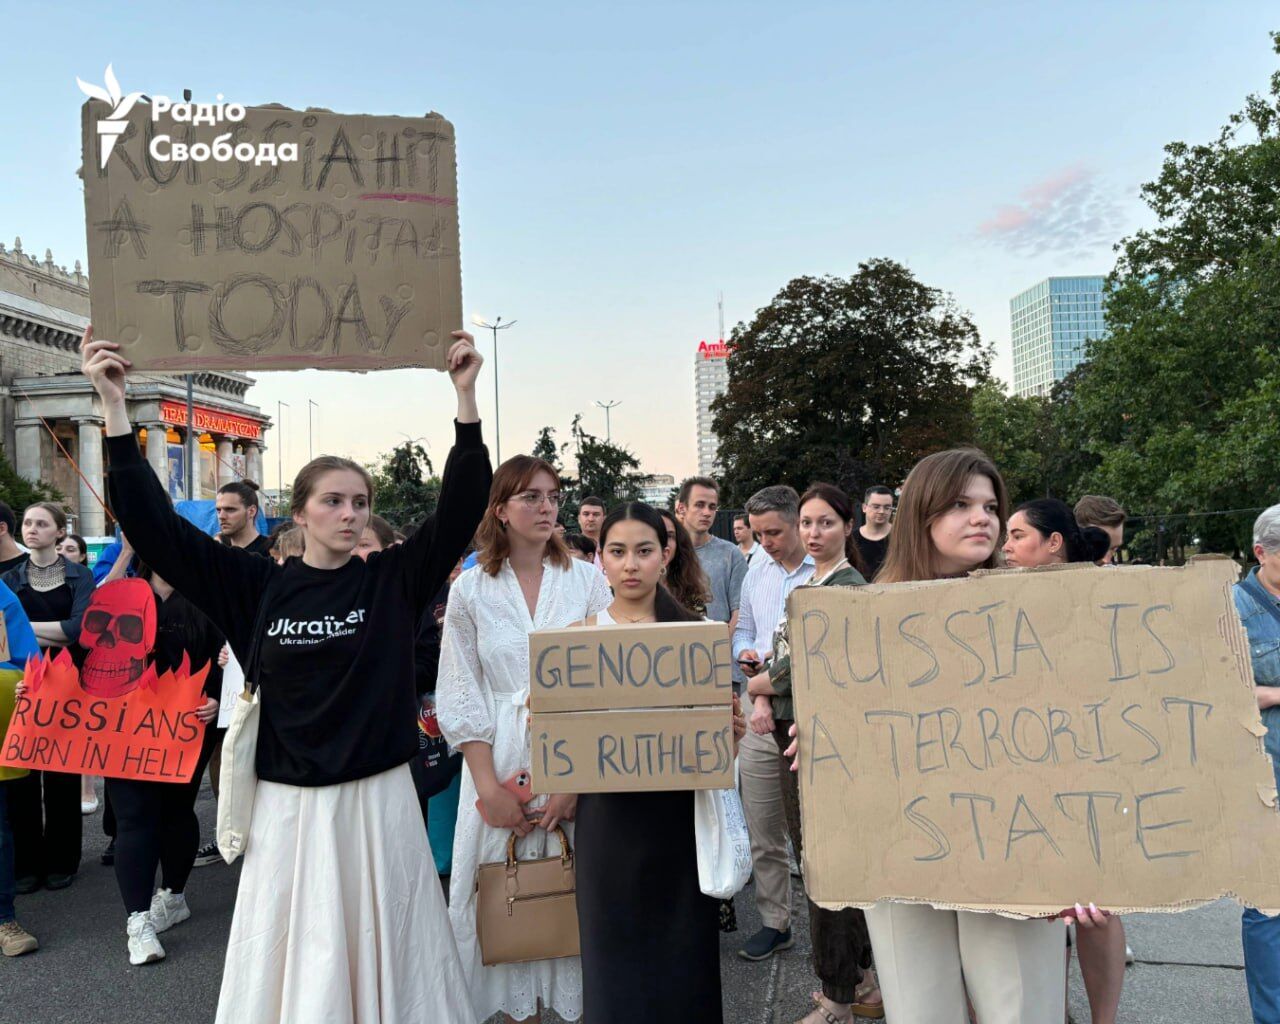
(1176, 410)
(545, 448)
(604, 469)
(848, 380)
(405, 485)
(18, 492)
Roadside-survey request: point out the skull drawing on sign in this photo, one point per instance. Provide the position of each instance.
(118, 631)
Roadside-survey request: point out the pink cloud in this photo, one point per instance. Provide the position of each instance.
(1068, 211)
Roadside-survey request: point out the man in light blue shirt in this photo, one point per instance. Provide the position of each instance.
(780, 567)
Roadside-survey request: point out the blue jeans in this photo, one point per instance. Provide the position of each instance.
(6, 858)
(1261, 937)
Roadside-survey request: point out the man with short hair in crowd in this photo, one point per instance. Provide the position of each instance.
(590, 519)
(237, 509)
(1108, 516)
(747, 542)
(774, 517)
(696, 508)
(10, 553)
(872, 537)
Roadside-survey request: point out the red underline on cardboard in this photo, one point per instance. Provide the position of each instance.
(412, 197)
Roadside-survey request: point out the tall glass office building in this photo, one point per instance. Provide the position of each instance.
(1051, 323)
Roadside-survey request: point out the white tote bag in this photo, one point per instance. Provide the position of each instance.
(238, 781)
(724, 847)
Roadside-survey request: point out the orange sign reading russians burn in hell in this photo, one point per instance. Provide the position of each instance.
(149, 732)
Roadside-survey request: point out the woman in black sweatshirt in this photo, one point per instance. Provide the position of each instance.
(339, 916)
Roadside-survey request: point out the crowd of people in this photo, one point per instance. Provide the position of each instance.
(390, 737)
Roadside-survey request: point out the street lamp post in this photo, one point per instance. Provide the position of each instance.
(496, 326)
(608, 428)
(310, 405)
(280, 452)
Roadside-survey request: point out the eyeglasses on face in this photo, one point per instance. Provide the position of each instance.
(533, 499)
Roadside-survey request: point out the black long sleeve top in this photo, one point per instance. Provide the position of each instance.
(336, 659)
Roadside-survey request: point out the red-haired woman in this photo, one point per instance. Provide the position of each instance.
(339, 916)
(525, 580)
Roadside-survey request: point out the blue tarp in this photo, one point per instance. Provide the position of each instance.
(202, 513)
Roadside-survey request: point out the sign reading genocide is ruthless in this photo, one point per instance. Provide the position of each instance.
(641, 707)
(267, 238)
(1023, 741)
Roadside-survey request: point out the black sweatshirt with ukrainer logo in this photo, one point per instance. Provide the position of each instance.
(336, 669)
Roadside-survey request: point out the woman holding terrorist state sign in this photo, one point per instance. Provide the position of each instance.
(650, 937)
(339, 916)
(950, 522)
(841, 945)
(1045, 532)
(525, 580)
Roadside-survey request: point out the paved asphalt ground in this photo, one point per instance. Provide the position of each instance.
(1189, 966)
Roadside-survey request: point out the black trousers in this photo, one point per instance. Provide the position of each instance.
(44, 813)
(156, 827)
(840, 939)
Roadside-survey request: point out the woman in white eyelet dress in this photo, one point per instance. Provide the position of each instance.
(480, 704)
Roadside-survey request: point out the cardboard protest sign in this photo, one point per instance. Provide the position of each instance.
(9, 678)
(115, 715)
(624, 708)
(1021, 741)
(148, 732)
(276, 239)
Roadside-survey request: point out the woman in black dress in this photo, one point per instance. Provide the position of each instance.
(650, 937)
(44, 807)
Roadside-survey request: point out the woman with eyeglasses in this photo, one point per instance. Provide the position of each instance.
(524, 580)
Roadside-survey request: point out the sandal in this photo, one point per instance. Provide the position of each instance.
(824, 1016)
(864, 1008)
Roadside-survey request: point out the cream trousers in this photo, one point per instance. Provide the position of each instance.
(926, 959)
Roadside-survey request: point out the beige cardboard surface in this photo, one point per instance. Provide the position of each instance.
(624, 751)
(1023, 741)
(647, 665)
(347, 258)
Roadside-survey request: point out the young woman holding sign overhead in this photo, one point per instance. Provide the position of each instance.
(339, 916)
(650, 937)
(950, 522)
(525, 580)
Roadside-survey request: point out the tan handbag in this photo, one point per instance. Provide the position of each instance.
(527, 910)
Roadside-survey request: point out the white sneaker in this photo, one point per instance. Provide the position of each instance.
(167, 909)
(144, 947)
(1128, 954)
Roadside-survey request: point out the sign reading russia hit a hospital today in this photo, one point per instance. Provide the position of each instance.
(227, 237)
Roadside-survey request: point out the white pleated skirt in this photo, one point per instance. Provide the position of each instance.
(339, 916)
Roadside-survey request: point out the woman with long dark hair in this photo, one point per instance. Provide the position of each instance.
(840, 941)
(339, 916)
(1045, 532)
(525, 580)
(45, 807)
(685, 578)
(650, 937)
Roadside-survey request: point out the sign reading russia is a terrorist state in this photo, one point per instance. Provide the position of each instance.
(230, 238)
(1023, 741)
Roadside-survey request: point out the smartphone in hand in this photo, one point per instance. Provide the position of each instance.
(520, 785)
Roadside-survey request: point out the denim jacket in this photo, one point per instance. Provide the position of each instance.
(1264, 646)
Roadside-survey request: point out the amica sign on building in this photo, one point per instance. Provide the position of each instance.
(49, 414)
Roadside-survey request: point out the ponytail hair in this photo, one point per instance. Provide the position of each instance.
(1048, 516)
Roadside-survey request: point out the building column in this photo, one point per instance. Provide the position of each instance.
(93, 520)
(158, 451)
(253, 463)
(26, 455)
(225, 472)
